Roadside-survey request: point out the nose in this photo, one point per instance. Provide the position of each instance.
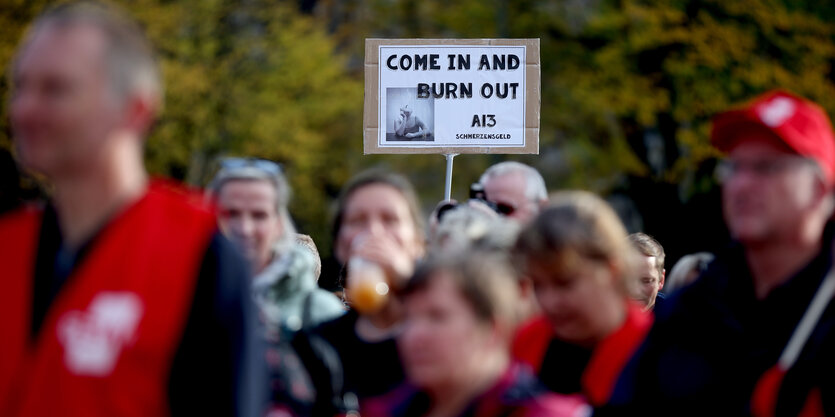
(375, 227)
(550, 299)
(739, 184)
(414, 333)
(243, 226)
(741, 176)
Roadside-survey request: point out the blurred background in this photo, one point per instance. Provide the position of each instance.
(628, 89)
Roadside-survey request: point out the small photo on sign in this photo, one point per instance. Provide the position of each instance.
(409, 118)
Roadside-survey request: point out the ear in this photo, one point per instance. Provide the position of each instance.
(499, 332)
(661, 281)
(420, 247)
(823, 200)
(279, 225)
(615, 271)
(525, 287)
(140, 112)
(337, 253)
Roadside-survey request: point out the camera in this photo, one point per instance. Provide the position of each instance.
(476, 194)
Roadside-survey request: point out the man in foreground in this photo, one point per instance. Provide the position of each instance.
(120, 298)
(714, 341)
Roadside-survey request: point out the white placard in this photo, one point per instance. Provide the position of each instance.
(452, 95)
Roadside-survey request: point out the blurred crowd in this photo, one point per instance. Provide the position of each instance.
(126, 295)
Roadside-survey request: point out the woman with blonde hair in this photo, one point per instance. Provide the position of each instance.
(581, 263)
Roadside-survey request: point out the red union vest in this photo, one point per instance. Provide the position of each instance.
(607, 361)
(107, 343)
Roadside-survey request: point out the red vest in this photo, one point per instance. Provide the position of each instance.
(767, 391)
(607, 360)
(107, 343)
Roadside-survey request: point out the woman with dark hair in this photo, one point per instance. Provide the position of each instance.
(461, 310)
(378, 234)
(577, 254)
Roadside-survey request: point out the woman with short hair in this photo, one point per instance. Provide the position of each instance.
(460, 316)
(581, 263)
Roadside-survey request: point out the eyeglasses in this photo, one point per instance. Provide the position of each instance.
(762, 168)
(504, 208)
(500, 208)
(269, 167)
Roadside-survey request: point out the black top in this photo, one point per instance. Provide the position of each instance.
(218, 367)
(563, 366)
(339, 362)
(660, 299)
(516, 392)
(713, 340)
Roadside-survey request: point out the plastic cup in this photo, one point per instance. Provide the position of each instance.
(367, 289)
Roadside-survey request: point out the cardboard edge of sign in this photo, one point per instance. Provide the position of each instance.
(533, 96)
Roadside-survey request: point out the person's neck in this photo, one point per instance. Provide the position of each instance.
(773, 263)
(260, 265)
(451, 399)
(85, 200)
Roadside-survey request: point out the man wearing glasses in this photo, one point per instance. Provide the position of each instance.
(517, 190)
(120, 298)
(720, 346)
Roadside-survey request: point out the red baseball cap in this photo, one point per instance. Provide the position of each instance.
(797, 122)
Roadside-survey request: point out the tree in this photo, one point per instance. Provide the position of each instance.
(629, 86)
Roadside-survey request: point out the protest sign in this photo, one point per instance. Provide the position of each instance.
(452, 96)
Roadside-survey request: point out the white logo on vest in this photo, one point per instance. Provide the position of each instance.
(93, 339)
